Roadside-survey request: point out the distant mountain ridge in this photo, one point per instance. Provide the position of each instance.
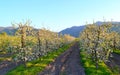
(76, 30)
(73, 31)
(8, 30)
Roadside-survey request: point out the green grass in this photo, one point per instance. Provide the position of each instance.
(90, 68)
(2, 52)
(36, 66)
(5, 58)
(116, 51)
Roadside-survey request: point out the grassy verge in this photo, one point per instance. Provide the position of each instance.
(38, 65)
(116, 51)
(90, 68)
(5, 58)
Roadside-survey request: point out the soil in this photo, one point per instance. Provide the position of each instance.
(114, 62)
(67, 63)
(7, 65)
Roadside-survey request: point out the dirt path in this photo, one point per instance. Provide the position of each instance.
(67, 63)
(114, 62)
(116, 59)
(7, 65)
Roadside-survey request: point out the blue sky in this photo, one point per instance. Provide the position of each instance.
(58, 14)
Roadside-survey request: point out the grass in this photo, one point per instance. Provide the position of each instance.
(5, 58)
(90, 68)
(116, 51)
(1, 52)
(36, 66)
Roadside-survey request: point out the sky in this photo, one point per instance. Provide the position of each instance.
(57, 15)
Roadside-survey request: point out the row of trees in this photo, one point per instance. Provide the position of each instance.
(31, 43)
(99, 42)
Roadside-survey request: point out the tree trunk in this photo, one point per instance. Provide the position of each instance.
(39, 45)
(23, 37)
(96, 46)
(96, 59)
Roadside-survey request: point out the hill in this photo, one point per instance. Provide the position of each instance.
(8, 30)
(75, 30)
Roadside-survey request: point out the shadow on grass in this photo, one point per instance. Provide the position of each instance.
(90, 68)
(38, 65)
